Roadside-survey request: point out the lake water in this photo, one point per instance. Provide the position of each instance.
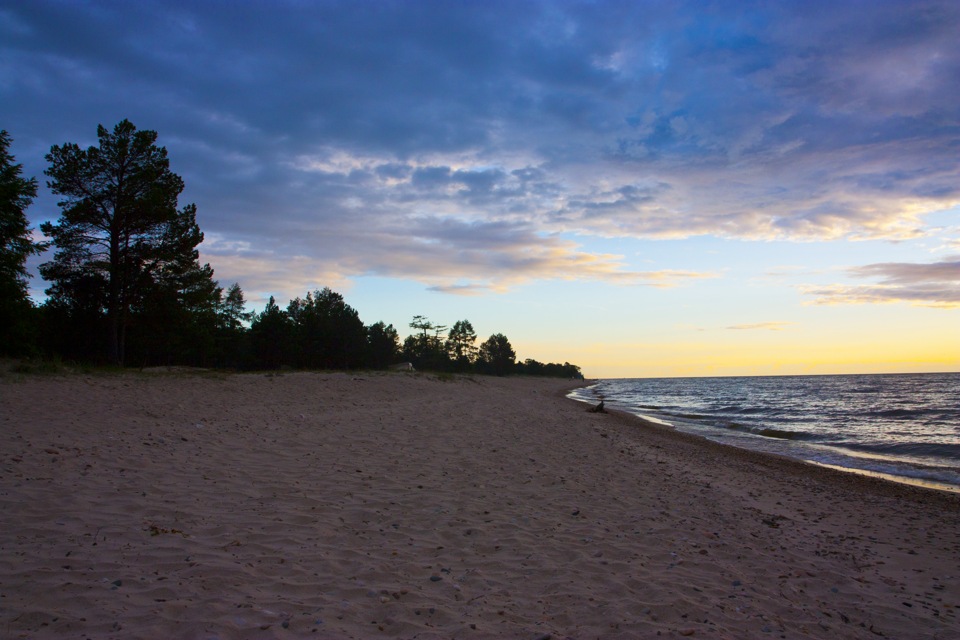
(902, 426)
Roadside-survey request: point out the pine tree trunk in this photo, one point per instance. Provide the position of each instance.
(113, 303)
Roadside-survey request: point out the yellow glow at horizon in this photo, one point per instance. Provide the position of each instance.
(682, 359)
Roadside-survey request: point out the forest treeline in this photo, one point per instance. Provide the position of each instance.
(126, 286)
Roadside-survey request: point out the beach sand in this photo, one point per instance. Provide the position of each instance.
(411, 506)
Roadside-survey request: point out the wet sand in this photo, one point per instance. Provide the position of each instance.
(409, 506)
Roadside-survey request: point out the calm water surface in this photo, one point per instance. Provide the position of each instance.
(903, 426)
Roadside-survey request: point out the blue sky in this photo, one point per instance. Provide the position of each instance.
(642, 188)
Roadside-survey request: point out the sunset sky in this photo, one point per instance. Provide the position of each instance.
(640, 188)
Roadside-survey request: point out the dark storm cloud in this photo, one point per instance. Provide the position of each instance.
(333, 130)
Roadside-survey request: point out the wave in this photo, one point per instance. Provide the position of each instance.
(729, 409)
(784, 435)
(768, 432)
(940, 450)
(689, 416)
(944, 479)
(939, 414)
(742, 410)
(752, 411)
(897, 413)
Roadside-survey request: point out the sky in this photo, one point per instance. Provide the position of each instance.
(644, 189)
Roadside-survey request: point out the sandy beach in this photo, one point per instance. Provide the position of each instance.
(410, 506)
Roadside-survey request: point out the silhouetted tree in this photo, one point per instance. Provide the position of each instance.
(72, 321)
(565, 370)
(328, 332)
(383, 345)
(426, 349)
(232, 311)
(16, 245)
(496, 355)
(232, 317)
(120, 228)
(531, 367)
(461, 345)
(270, 337)
(174, 314)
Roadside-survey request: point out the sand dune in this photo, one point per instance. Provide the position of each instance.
(406, 506)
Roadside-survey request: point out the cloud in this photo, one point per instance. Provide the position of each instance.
(263, 273)
(643, 120)
(447, 255)
(902, 273)
(934, 284)
(462, 289)
(665, 278)
(763, 326)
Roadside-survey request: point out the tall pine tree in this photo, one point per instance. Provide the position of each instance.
(16, 245)
(461, 345)
(121, 241)
(176, 311)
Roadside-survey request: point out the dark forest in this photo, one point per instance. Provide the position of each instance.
(126, 287)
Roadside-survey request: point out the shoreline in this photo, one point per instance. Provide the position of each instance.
(693, 427)
(863, 473)
(871, 481)
(411, 506)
